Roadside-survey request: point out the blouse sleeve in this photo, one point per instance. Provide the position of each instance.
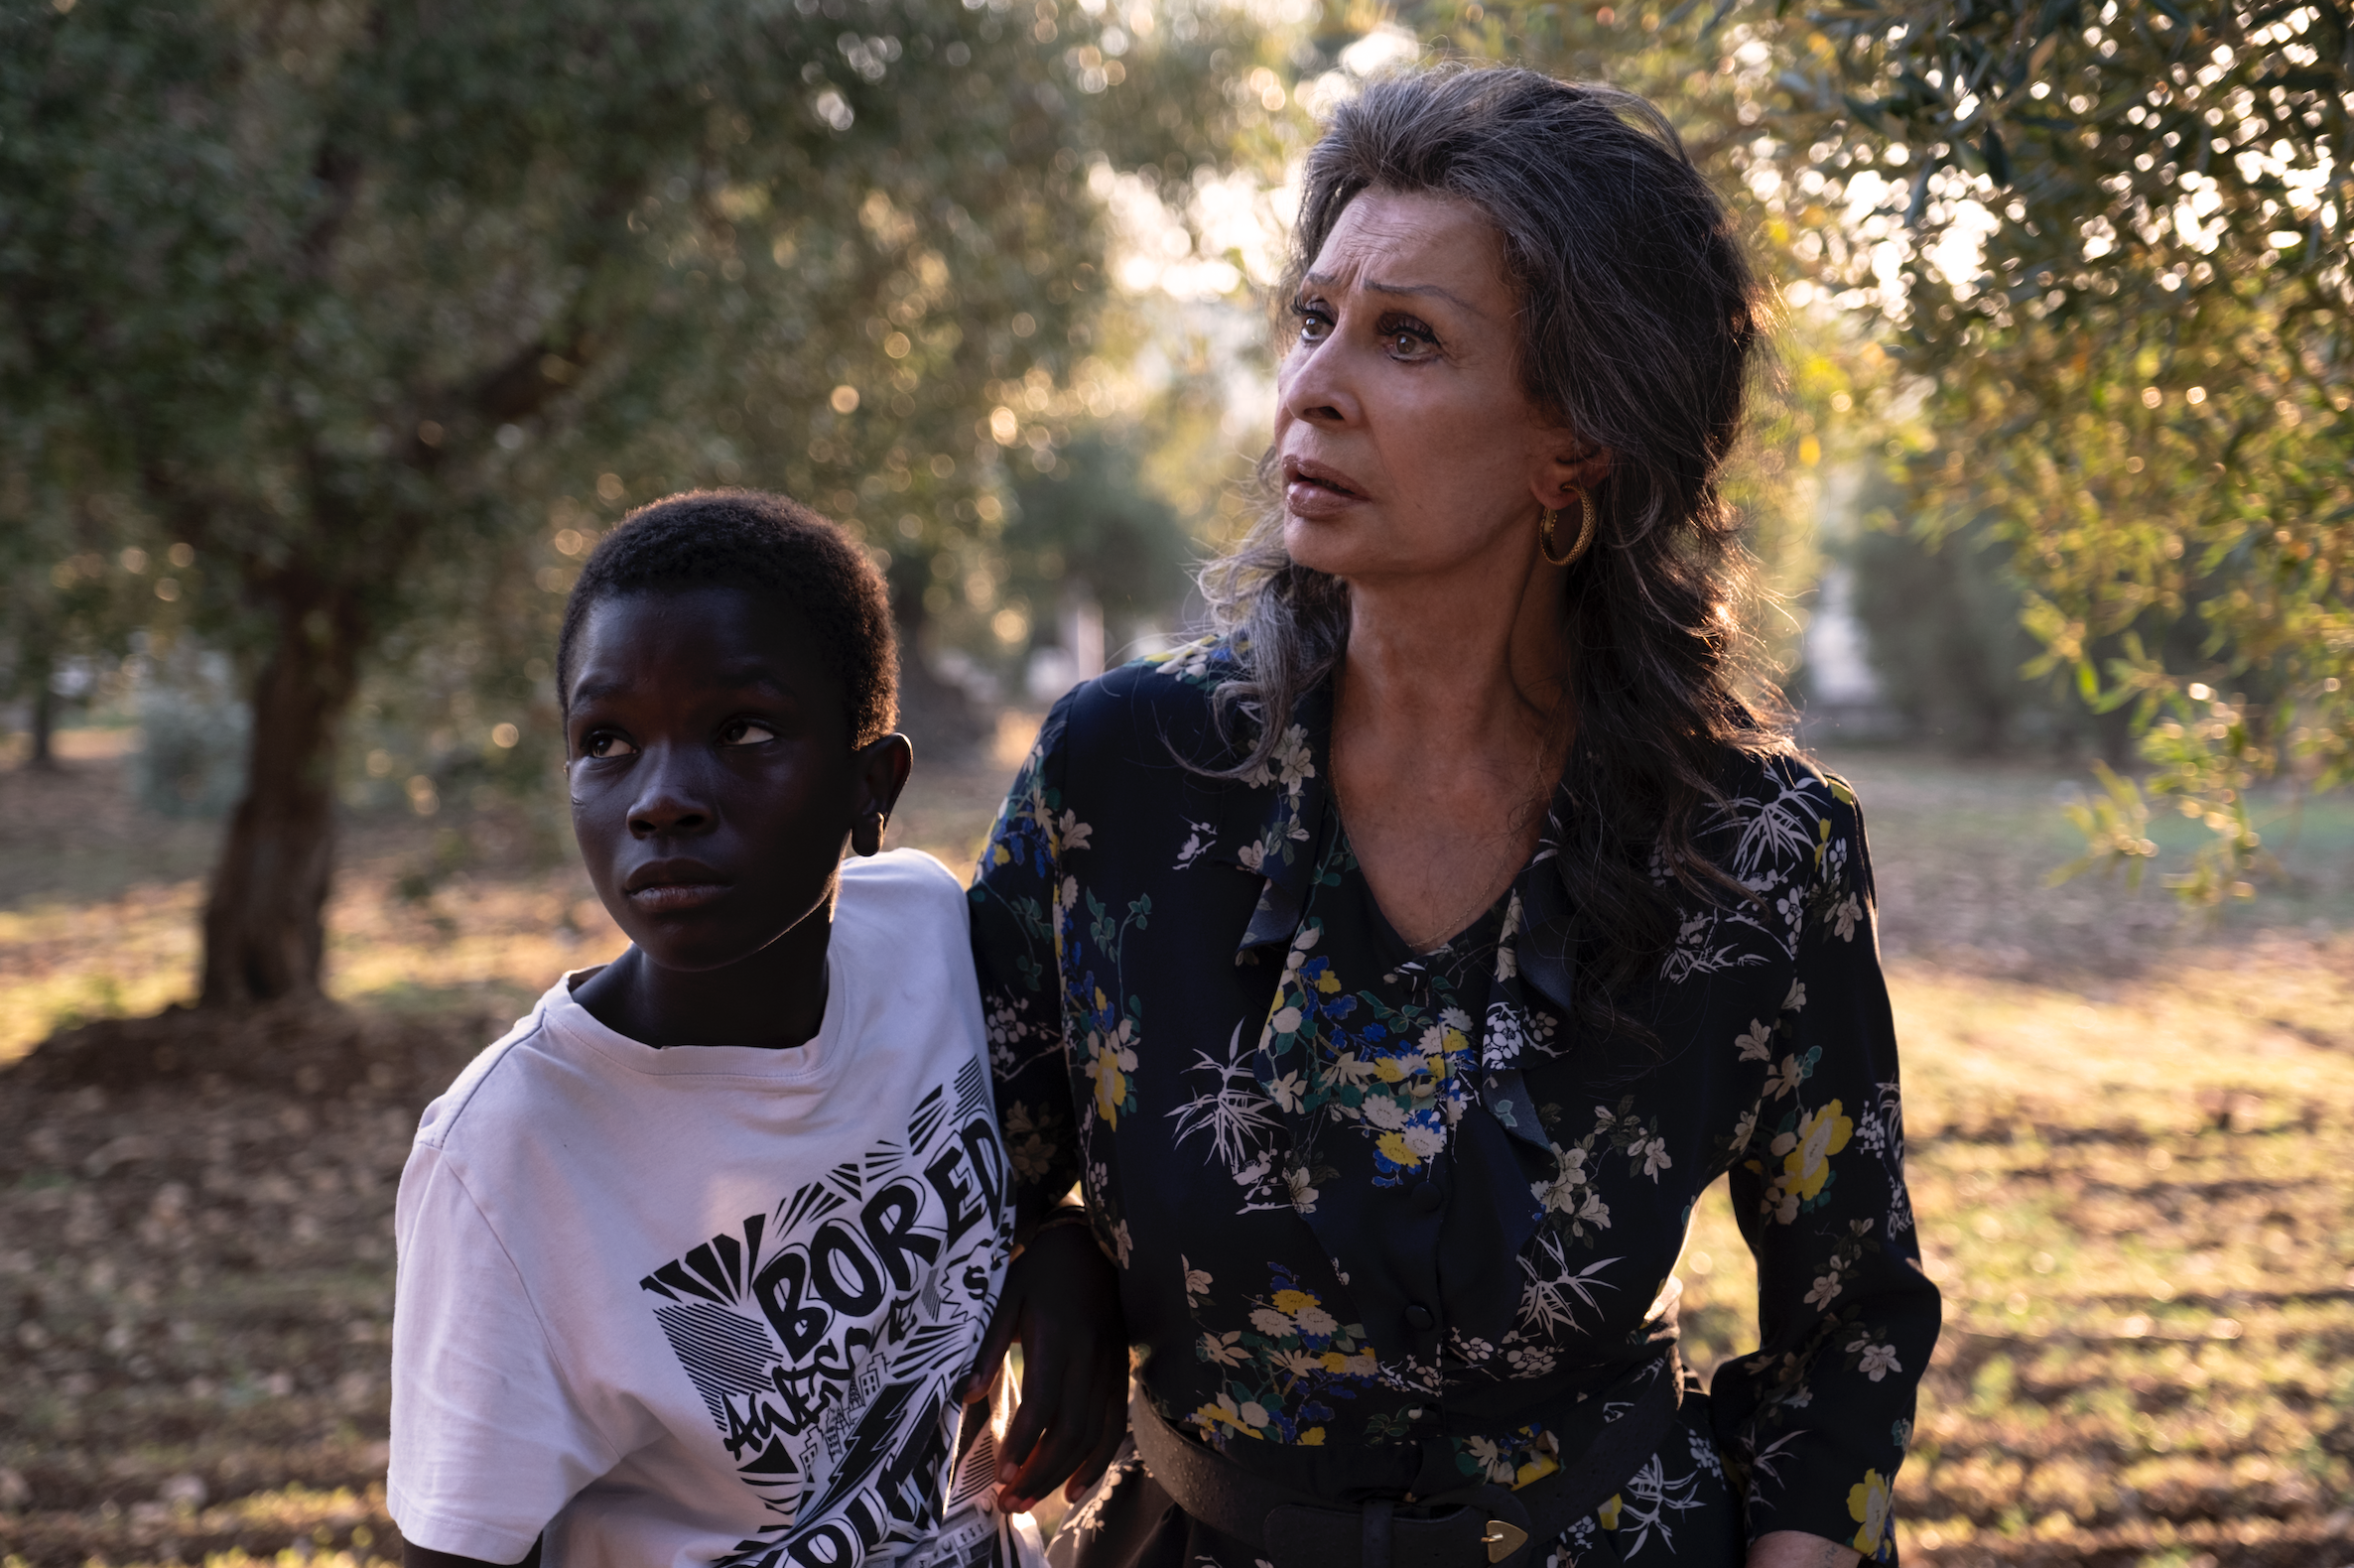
(1819, 1418)
(1016, 948)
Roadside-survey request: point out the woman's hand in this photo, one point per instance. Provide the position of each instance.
(1797, 1549)
(1062, 1296)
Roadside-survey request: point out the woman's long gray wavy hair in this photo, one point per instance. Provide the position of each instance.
(1642, 324)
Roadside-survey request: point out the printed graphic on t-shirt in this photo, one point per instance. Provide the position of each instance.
(827, 1338)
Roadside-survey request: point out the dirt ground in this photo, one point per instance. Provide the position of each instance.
(2132, 1147)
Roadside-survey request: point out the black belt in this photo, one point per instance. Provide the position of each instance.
(1478, 1526)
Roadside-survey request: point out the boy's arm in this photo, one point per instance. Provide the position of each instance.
(488, 1439)
(426, 1557)
(1062, 1298)
(1062, 1294)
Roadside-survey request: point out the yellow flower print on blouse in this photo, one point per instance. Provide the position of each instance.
(1868, 1504)
(1821, 1134)
(1110, 1060)
(1608, 1514)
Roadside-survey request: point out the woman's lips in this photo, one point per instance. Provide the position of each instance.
(1306, 499)
(1312, 490)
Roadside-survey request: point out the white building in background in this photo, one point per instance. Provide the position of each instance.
(1838, 666)
(1842, 694)
(1076, 655)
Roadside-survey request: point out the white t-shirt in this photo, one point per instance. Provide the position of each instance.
(710, 1304)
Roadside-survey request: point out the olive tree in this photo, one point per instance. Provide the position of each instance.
(339, 301)
(2120, 251)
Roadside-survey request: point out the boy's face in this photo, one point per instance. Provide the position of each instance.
(711, 777)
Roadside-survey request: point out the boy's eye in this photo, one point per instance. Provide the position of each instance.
(745, 732)
(605, 743)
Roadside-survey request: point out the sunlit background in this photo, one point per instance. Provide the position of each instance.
(335, 339)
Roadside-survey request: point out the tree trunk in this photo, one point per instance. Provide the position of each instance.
(45, 722)
(938, 717)
(264, 922)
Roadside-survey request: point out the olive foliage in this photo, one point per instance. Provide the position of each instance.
(2114, 240)
(357, 308)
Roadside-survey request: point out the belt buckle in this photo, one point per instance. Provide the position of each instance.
(1502, 1537)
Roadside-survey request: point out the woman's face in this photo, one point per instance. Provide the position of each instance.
(1407, 444)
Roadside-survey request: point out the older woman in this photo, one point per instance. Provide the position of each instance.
(1394, 969)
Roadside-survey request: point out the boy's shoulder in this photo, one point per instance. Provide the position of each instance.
(902, 926)
(900, 873)
(442, 1118)
(900, 914)
(900, 889)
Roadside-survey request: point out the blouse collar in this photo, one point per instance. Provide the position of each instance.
(1275, 813)
(1284, 802)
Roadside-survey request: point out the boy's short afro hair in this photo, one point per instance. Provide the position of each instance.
(770, 545)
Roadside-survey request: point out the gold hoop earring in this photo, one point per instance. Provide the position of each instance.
(1544, 537)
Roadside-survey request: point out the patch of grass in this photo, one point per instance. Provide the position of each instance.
(1961, 852)
(73, 963)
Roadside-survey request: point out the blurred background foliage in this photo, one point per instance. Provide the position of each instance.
(2124, 281)
(335, 337)
(341, 333)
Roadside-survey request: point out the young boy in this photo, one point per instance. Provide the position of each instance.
(694, 1263)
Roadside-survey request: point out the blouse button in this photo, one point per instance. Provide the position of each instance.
(1427, 1197)
(1421, 1319)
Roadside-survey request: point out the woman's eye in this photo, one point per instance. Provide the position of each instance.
(745, 732)
(606, 745)
(1409, 342)
(1315, 326)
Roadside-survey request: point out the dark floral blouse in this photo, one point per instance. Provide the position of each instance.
(1387, 1220)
